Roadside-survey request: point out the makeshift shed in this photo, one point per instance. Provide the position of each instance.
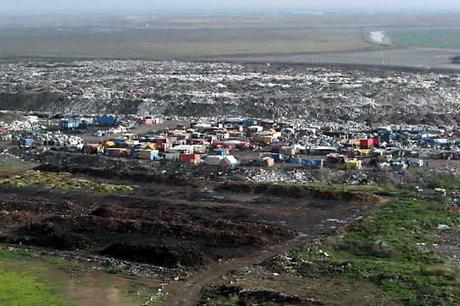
(228, 161)
(213, 160)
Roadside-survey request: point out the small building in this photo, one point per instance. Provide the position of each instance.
(228, 161)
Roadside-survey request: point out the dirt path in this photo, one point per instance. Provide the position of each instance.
(187, 293)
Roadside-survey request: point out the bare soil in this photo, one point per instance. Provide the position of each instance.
(208, 232)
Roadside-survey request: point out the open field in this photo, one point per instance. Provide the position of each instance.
(30, 279)
(311, 39)
(396, 57)
(175, 43)
(448, 38)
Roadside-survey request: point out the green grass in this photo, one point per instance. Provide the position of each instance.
(424, 37)
(24, 288)
(62, 181)
(14, 254)
(227, 301)
(20, 289)
(446, 181)
(383, 249)
(6, 161)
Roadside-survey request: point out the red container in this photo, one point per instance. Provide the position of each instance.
(366, 143)
(149, 121)
(218, 144)
(375, 141)
(190, 158)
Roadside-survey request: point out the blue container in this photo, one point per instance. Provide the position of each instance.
(295, 160)
(26, 142)
(317, 163)
(119, 140)
(106, 120)
(220, 152)
(154, 155)
(277, 157)
(387, 137)
(83, 126)
(69, 124)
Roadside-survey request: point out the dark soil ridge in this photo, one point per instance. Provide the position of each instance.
(300, 191)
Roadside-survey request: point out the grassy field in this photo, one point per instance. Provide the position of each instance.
(62, 181)
(448, 38)
(176, 42)
(24, 288)
(385, 250)
(9, 166)
(30, 280)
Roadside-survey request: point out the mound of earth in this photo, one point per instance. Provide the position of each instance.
(154, 235)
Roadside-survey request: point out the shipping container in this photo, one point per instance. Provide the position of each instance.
(313, 164)
(366, 143)
(91, 148)
(279, 158)
(172, 156)
(70, 124)
(294, 160)
(106, 120)
(267, 162)
(26, 142)
(219, 151)
(149, 154)
(353, 164)
(213, 160)
(116, 152)
(190, 158)
(228, 161)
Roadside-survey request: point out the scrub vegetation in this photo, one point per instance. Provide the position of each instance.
(392, 249)
(447, 181)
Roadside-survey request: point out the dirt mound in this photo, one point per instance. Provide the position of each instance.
(155, 233)
(299, 191)
(51, 234)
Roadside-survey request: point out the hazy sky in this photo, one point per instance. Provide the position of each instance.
(72, 6)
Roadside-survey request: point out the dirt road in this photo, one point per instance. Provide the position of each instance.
(187, 293)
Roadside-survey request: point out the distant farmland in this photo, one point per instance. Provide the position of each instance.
(448, 38)
(175, 43)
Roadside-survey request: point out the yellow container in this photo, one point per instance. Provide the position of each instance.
(353, 164)
(109, 144)
(150, 146)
